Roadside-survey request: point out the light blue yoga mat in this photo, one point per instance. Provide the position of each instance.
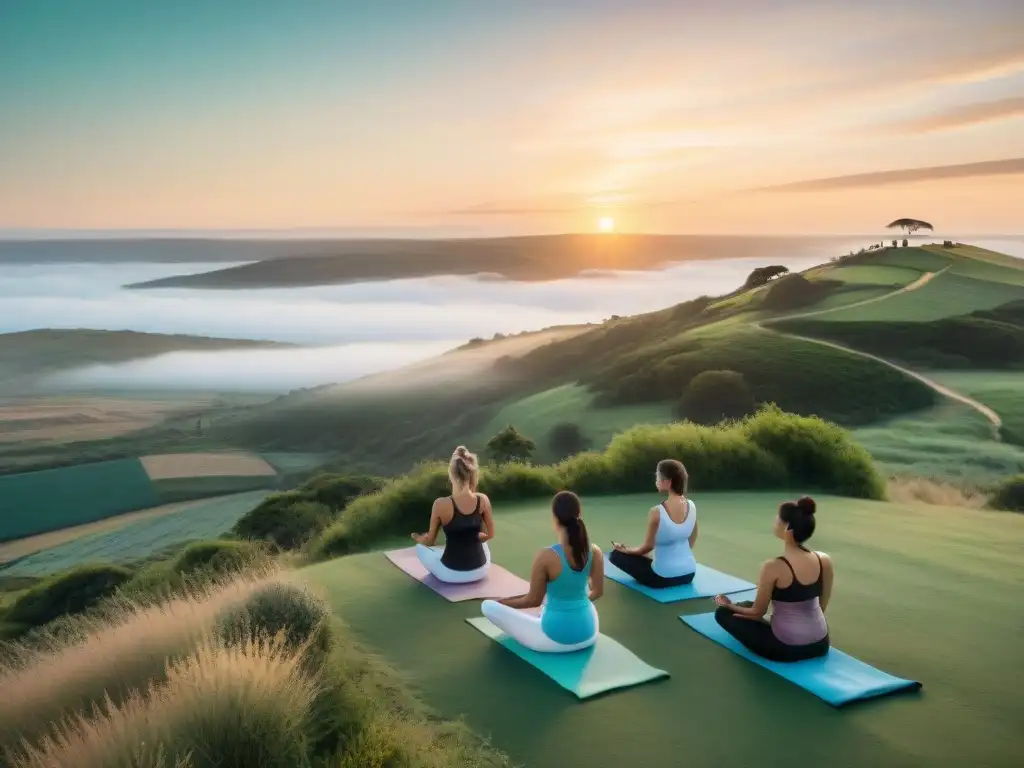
(707, 582)
(838, 678)
(605, 666)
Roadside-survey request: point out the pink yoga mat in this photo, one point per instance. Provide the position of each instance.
(498, 583)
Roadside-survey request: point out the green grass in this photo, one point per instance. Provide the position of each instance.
(37, 502)
(951, 443)
(173, 489)
(889, 276)
(946, 295)
(984, 264)
(921, 592)
(1002, 391)
(141, 539)
(535, 415)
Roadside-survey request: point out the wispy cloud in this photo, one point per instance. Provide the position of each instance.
(902, 176)
(958, 117)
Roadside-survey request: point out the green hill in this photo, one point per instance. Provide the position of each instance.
(906, 601)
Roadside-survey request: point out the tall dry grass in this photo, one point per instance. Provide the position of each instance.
(918, 490)
(238, 704)
(105, 657)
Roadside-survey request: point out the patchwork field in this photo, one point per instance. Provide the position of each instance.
(139, 539)
(926, 593)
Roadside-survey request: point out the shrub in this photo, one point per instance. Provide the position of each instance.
(286, 519)
(67, 593)
(1010, 495)
(566, 439)
(510, 445)
(817, 453)
(511, 482)
(217, 556)
(338, 491)
(715, 396)
(589, 472)
(279, 607)
(795, 291)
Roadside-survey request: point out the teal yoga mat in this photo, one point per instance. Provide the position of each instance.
(837, 678)
(605, 666)
(706, 583)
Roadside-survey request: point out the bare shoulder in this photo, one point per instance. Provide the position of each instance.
(654, 513)
(485, 500)
(771, 565)
(442, 506)
(826, 561)
(596, 550)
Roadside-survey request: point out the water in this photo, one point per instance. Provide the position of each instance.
(356, 329)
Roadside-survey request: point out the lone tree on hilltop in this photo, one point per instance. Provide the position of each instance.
(762, 275)
(510, 445)
(910, 226)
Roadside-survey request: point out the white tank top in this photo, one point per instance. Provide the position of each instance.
(672, 553)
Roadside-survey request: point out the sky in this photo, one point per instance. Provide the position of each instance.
(488, 117)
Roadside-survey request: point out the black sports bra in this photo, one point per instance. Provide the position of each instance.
(797, 592)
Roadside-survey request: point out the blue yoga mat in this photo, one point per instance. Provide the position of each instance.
(706, 583)
(605, 666)
(838, 678)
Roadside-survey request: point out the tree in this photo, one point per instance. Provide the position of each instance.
(566, 439)
(510, 445)
(715, 396)
(762, 275)
(910, 226)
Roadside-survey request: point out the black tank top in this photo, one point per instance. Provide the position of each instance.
(797, 592)
(463, 550)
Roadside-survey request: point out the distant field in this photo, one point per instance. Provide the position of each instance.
(923, 592)
(947, 295)
(535, 416)
(140, 539)
(950, 443)
(1002, 391)
(895, 277)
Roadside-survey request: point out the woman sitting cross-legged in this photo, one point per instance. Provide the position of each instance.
(564, 581)
(671, 533)
(798, 585)
(468, 525)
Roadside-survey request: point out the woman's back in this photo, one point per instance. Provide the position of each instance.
(672, 553)
(463, 550)
(797, 617)
(567, 616)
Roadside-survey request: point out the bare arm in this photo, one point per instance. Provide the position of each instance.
(428, 538)
(652, 530)
(826, 580)
(596, 573)
(765, 584)
(538, 586)
(488, 519)
(696, 530)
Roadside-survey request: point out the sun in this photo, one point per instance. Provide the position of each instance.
(606, 224)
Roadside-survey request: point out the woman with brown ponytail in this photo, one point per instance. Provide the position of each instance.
(570, 575)
(798, 585)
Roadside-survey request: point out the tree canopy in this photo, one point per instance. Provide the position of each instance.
(762, 275)
(910, 226)
(510, 445)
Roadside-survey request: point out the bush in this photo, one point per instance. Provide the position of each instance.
(280, 607)
(286, 519)
(68, 593)
(715, 396)
(338, 491)
(566, 439)
(1010, 495)
(769, 450)
(216, 556)
(510, 445)
(795, 291)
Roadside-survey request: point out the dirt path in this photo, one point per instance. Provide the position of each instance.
(941, 389)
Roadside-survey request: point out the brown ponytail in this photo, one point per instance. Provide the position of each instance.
(566, 508)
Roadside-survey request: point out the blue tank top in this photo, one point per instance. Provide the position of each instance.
(567, 616)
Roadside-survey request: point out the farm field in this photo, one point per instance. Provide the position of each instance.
(921, 592)
(140, 539)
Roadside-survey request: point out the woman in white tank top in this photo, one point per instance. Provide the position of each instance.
(671, 533)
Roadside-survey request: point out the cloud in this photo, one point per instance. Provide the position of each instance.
(902, 176)
(566, 204)
(958, 117)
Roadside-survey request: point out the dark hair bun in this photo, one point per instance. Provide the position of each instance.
(807, 505)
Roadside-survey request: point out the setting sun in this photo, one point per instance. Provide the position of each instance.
(606, 224)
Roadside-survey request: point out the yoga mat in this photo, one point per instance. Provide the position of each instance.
(706, 583)
(837, 678)
(498, 583)
(605, 666)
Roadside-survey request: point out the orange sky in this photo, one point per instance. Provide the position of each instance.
(666, 116)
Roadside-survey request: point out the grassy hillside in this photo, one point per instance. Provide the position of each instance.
(921, 592)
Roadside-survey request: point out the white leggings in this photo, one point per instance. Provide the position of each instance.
(525, 628)
(430, 557)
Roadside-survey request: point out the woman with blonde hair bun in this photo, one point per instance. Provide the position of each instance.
(467, 522)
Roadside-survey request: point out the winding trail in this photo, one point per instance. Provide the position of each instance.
(993, 417)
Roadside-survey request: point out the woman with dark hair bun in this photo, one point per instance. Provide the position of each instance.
(565, 581)
(798, 586)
